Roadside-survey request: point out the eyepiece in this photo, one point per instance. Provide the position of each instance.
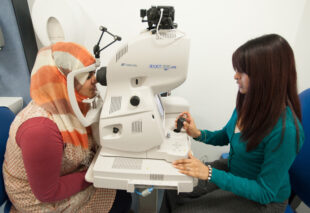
(101, 76)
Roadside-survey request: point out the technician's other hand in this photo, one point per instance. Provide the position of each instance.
(189, 125)
(192, 167)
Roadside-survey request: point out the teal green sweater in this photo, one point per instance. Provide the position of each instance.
(262, 174)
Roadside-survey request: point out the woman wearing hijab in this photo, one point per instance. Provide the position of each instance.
(49, 150)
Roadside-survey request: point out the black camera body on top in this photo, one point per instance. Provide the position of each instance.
(153, 17)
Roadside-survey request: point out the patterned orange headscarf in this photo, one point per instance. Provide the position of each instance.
(48, 87)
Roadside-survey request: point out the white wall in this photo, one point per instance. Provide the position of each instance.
(216, 29)
(302, 48)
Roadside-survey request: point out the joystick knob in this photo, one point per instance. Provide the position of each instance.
(180, 122)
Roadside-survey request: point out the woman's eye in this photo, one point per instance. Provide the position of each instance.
(90, 75)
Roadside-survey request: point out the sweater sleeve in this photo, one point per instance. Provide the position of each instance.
(42, 148)
(216, 138)
(274, 170)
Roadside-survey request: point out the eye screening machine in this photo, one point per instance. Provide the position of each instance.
(134, 124)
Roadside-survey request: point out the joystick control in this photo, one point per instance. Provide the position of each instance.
(180, 122)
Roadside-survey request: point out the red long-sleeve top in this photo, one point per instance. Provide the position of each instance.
(42, 148)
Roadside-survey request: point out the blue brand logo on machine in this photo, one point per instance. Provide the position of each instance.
(128, 65)
(162, 66)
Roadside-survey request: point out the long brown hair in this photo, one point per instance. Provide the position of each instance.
(269, 62)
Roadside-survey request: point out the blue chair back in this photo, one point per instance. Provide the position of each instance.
(6, 118)
(300, 172)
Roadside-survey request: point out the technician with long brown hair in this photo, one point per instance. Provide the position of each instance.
(264, 134)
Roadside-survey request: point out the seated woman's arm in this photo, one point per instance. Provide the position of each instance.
(42, 149)
(216, 138)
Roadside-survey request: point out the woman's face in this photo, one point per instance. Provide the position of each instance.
(88, 89)
(243, 82)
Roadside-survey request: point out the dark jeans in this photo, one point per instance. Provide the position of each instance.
(122, 202)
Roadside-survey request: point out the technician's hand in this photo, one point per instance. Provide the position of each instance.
(192, 167)
(189, 125)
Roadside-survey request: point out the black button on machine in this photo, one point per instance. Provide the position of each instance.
(115, 130)
(134, 100)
